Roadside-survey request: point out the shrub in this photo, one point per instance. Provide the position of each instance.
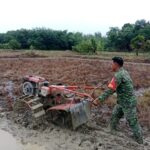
(86, 46)
(14, 44)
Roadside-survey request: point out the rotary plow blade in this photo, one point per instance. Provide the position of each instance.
(80, 113)
(72, 115)
(28, 110)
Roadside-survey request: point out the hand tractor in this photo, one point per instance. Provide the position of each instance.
(63, 105)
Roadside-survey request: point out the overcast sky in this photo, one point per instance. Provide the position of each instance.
(87, 16)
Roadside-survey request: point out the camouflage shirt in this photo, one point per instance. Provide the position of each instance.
(122, 84)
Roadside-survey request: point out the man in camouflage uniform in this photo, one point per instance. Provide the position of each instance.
(122, 84)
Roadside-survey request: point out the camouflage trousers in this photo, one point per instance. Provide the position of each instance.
(131, 116)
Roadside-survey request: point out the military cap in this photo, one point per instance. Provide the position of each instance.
(118, 60)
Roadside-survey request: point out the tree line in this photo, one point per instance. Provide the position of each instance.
(130, 37)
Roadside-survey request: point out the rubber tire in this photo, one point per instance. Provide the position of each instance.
(28, 88)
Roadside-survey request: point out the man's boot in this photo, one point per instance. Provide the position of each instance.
(139, 140)
(112, 129)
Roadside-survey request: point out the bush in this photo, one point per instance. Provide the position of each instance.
(86, 46)
(138, 43)
(4, 46)
(147, 46)
(14, 44)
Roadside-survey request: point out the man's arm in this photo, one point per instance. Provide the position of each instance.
(112, 86)
(106, 94)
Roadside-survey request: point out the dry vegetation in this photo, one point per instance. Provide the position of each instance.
(131, 57)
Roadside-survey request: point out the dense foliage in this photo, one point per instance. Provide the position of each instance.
(39, 38)
(130, 37)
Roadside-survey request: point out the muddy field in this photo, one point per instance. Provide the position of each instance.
(72, 71)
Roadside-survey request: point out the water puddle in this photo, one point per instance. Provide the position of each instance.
(33, 147)
(8, 142)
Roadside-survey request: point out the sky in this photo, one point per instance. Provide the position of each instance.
(87, 16)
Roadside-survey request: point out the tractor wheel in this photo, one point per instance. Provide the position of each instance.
(28, 88)
(28, 111)
(22, 114)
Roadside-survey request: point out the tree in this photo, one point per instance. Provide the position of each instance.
(120, 39)
(145, 31)
(147, 46)
(125, 36)
(84, 46)
(112, 38)
(22, 36)
(100, 41)
(93, 45)
(14, 44)
(138, 43)
(140, 24)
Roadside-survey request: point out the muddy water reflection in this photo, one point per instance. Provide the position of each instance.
(8, 142)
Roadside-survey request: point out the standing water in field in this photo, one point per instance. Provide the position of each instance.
(9, 88)
(8, 142)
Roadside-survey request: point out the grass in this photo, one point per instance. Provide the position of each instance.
(35, 53)
(131, 57)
